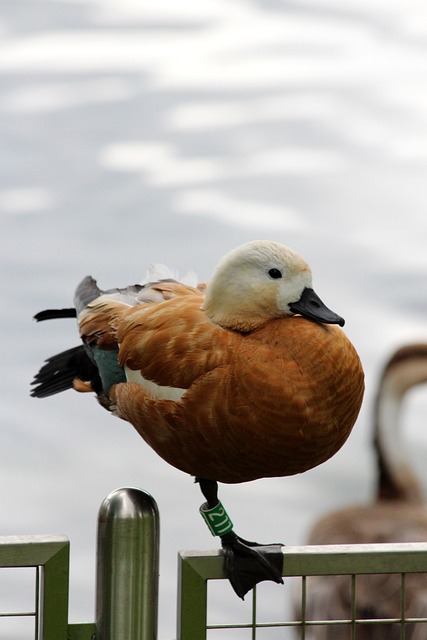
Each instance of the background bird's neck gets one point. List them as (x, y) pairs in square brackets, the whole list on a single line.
[(396, 480)]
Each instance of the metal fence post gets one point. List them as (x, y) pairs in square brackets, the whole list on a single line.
[(127, 566)]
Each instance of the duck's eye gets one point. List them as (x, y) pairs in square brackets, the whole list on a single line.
[(275, 273)]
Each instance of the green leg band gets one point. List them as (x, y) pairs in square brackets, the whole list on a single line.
[(217, 519)]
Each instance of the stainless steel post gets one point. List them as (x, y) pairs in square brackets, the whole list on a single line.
[(127, 566)]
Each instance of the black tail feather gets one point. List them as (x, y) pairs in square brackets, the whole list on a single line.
[(50, 314), (60, 371)]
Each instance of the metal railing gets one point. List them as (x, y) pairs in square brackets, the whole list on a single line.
[(49, 556), (127, 583), (127, 574), (196, 569)]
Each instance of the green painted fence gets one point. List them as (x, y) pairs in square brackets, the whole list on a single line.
[(127, 582), (196, 569)]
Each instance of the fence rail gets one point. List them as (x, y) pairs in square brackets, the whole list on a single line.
[(127, 582), (49, 556), (127, 574), (196, 569)]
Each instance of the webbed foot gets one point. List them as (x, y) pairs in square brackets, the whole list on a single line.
[(248, 563)]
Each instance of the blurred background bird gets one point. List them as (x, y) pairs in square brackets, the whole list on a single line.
[(397, 513)]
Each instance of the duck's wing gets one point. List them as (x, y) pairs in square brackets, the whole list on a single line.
[(102, 315), (173, 343), (88, 293), (93, 365), (174, 346), (99, 312)]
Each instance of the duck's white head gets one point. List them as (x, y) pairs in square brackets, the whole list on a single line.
[(261, 280)]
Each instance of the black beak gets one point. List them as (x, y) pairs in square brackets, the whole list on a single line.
[(310, 306)]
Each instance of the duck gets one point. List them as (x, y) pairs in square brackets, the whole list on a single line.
[(248, 376), (397, 513)]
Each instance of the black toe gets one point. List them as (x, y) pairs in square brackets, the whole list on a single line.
[(248, 563)]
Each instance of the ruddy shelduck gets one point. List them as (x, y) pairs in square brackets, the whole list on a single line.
[(245, 378), (398, 513)]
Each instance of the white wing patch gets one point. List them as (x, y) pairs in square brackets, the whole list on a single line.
[(157, 391)]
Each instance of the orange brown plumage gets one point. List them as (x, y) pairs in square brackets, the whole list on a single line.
[(256, 405)]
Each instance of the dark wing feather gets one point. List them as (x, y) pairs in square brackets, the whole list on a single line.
[(59, 372)]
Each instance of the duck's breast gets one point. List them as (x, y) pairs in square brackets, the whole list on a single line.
[(286, 403), (312, 392)]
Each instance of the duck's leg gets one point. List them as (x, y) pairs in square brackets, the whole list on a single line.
[(246, 563)]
